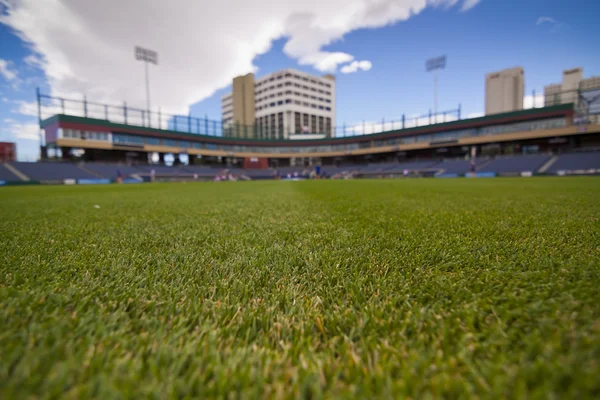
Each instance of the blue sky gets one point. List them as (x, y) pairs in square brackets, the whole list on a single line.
[(490, 36)]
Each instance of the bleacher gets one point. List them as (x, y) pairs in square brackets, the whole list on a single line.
[(51, 171), (515, 164), (574, 162), (109, 171), (458, 167), (412, 166), (7, 175), (201, 170), (568, 163), (258, 173)]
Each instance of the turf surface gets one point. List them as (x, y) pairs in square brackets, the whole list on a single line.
[(420, 288)]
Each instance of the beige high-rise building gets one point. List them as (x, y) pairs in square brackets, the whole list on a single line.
[(570, 85), (287, 104), (504, 91), (552, 95), (574, 89), (243, 99)]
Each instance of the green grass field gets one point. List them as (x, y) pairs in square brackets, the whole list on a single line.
[(386, 288)]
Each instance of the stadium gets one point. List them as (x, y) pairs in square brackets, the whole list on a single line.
[(541, 141), (274, 252)]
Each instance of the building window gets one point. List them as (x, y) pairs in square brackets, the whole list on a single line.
[(297, 123), (328, 108)]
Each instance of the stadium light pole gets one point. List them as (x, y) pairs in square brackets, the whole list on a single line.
[(146, 56), (435, 64)]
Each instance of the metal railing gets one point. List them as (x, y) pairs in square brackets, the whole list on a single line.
[(49, 106), (586, 103)]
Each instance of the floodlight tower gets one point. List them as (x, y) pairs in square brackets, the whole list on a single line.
[(147, 56), (435, 64)]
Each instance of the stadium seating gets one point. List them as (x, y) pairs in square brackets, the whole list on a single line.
[(7, 175), (50, 171), (162, 170), (109, 171), (258, 173), (412, 166), (507, 165), (453, 166), (515, 164), (201, 170), (582, 161)]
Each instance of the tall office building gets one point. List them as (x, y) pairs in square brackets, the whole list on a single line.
[(572, 85), (286, 104), (504, 91)]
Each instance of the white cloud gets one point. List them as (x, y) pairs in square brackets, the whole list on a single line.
[(325, 61), (25, 108), (354, 66), (87, 45), (551, 23), (35, 61), (542, 20), (475, 115), (9, 120), (468, 4), (24, 131), (530, 102), (6, 72)]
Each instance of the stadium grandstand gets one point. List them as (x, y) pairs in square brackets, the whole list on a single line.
[(98, 143)]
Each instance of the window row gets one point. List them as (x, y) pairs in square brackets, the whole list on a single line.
[(86, 135), (289, 92), (279, 77), (290, 84), (272, 127), (290, 101)]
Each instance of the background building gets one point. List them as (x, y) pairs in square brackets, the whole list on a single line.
[(583, 93), (286, 104), (8, 152), (504, 91), (567, 91)]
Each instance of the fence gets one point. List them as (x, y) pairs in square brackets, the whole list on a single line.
[(586, 102), (127, 115)]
